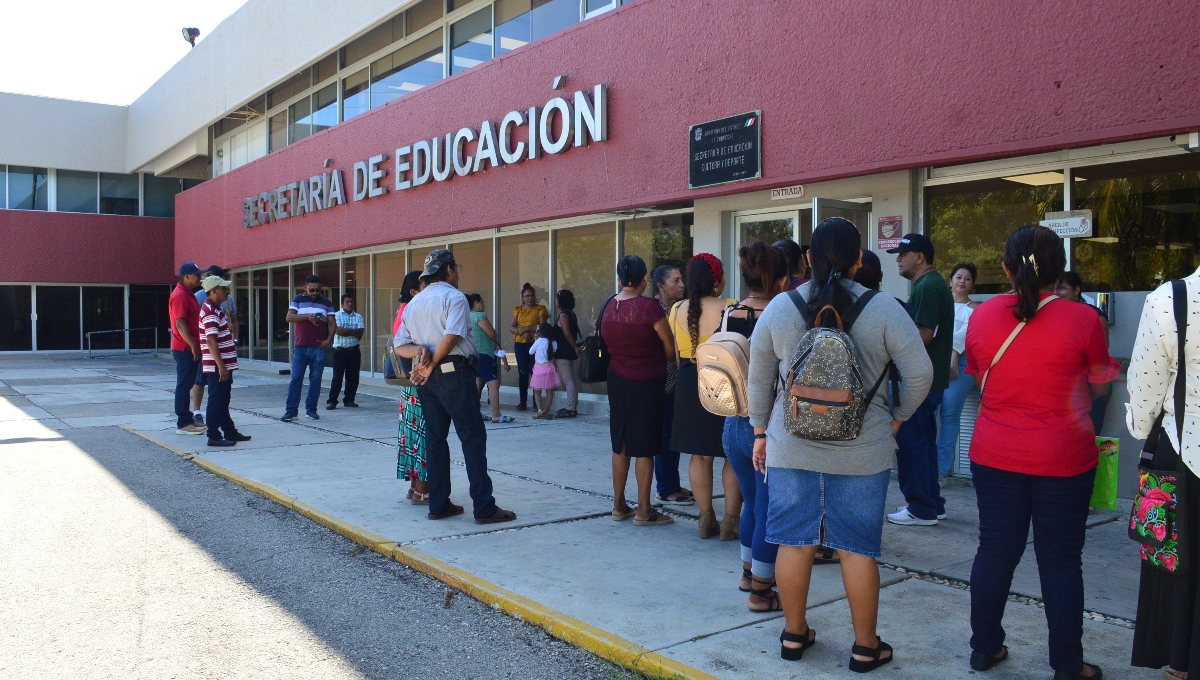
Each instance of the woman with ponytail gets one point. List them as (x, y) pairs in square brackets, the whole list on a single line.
[(695, 431), (832, 492), (1038, 360)]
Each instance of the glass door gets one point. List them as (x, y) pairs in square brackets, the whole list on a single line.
[(857, 212), (768, 227)]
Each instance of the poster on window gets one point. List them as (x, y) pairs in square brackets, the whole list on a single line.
[(891, 230)]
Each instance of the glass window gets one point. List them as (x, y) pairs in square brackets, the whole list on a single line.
[(289, 88), (299, 273), (148, 309), (262, 315), (16, 318), (358, 284), (3, 186), (77, 191), (390, 269), (58, 317), (423, 14), (471, 41), (408, 69), (281, 297), (118, 194), (598, 5), (241, 299), (476, 275), (970, 221), (549, 16), (299, 120), (659, 241), (255, 141), (330, 280), (1147, 222), (160, 195), (512, 25), (103, 310), (524, 259), (277, 135), (585, 264), (326, 68), (356, 94), (27, 188), (373, 40), (324, 108)]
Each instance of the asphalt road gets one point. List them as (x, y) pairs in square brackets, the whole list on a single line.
[(120, 559)]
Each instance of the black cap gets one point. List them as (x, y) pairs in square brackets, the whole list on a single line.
[(915, 243), (189, 268), (436, 260)]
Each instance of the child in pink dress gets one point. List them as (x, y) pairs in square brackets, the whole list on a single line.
[(545, 375)]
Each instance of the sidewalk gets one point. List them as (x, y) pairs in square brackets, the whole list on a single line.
[(661, 588)]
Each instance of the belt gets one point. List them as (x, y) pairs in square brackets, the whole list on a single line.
[(460, 359)]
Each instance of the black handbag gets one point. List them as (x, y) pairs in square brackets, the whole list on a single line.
[(593, 365), (1158, 521)]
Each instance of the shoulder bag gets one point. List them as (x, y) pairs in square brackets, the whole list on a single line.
[(593, 364), (1157, 519), (393, 366)]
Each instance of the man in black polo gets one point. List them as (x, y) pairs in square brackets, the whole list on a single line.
[(916, 441), (436, 333)]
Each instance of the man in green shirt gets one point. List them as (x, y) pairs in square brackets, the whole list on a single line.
[(916, 455)]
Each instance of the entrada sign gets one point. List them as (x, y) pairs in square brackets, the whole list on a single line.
[(581, 120)]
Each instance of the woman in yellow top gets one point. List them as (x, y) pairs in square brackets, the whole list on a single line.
[(526, 317), (695, 431)]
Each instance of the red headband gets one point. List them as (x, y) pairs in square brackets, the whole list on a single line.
[(713, 263)]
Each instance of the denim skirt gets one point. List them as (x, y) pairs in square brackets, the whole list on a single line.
[(851, 507)]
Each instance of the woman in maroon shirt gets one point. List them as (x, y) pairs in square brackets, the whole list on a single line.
[(1033, 454), (635, 330)]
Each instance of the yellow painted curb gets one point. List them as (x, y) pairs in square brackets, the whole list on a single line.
[(567, 628)]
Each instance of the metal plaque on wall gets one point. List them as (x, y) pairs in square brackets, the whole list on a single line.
[(726, 150)]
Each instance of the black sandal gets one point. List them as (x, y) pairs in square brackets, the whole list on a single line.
[(771, 596), (827, 556), (748, 576), (875, 662), (796, 653)]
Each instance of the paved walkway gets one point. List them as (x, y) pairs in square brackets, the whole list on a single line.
[(661, 588)]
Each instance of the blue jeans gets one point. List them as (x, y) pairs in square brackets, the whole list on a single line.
[(217, 416), (185, 377), (917, 460), (453, 398), (666, 464), (951, 413), (1058, 508), (738, 440), (312, 358), (524, 368)]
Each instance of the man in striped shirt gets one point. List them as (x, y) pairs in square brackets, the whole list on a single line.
[(347, 358), (218, 361)]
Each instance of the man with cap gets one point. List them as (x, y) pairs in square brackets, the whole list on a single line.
[(436, 333), (231, 312), (916, 455), (184, 314), (311, 314), (218, 362)]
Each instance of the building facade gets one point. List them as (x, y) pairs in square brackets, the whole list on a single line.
[(542, 140)]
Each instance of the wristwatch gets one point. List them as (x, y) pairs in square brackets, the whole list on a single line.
[(761, 436)]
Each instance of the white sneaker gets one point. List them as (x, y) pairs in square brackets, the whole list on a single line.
[(904, 518), (905, 507)]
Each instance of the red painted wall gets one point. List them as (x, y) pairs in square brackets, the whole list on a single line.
[(51, 247), (846, 88)]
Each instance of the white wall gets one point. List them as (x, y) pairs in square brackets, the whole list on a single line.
[(59, 133), (254, 48)]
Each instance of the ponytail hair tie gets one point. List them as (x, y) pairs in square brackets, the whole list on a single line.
[(1032, 260)]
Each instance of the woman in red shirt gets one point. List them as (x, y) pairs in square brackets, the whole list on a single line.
[(1033, 454)]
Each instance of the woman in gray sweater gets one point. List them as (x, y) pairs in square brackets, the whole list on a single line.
[(837, 488)]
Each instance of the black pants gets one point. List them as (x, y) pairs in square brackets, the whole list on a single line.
[(217, 416), (451, 396), (524, 368), (1058, 508), (347, 361)]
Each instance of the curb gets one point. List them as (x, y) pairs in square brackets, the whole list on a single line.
[(606, 645)]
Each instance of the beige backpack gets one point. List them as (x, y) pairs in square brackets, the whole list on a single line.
[(722, 366)]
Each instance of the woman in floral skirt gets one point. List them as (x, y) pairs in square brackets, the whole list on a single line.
[(410, 440)]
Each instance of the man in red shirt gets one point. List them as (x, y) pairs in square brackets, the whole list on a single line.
[(184, 313)]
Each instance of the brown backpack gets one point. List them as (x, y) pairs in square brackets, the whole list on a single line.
[(722, 367)]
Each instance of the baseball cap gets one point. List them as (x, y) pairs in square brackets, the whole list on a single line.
[(436, 260), (188, 268), (214, 270), (211, 282), (914, 243)]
